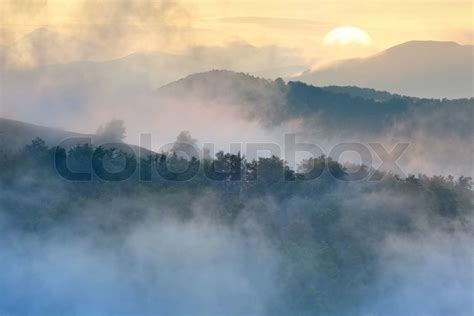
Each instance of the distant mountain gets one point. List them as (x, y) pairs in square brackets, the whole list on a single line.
[(274, 102), (47, 72), (14, 135), (419, 68), (43, 47), (433, 128)]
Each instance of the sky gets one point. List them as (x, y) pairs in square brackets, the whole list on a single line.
[(295, 24)]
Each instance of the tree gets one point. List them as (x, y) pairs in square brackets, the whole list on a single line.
[(37, 147)]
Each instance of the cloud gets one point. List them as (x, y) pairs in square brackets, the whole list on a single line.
[(91, 30), (134, 23), (274, 22)]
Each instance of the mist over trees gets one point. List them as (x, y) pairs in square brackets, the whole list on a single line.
[(226, 235), (301, 184), (436, 128), (273, 102), (95, 228)]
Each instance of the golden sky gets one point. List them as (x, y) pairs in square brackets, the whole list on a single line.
[(124, 26)]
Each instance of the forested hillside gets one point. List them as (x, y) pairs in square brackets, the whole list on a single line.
[(257, 235)]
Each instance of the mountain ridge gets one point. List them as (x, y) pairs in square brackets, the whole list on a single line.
[(426, 69), (15, 134)]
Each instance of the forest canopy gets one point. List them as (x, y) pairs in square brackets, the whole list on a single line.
[(293, 245)]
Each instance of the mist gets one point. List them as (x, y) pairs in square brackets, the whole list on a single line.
[(157, 268), (221, 108), (321, 246), (163, 158)]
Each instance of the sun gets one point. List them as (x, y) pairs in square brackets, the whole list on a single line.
[(347, 35)]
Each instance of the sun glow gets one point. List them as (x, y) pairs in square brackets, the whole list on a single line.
[(346, 35)]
